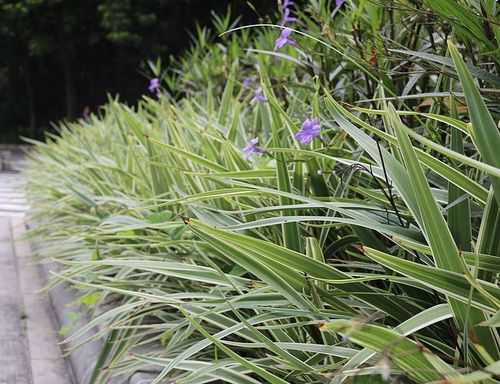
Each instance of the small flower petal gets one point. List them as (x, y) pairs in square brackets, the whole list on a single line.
[(287, 18), (284, 39), (252, 149), (258, 97), (310, 129), (247, 82), (154, 85)]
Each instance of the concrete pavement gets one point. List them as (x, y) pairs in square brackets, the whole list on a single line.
[(30, 350), (29, 344)]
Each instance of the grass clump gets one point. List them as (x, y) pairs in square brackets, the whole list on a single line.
[(365, 249)]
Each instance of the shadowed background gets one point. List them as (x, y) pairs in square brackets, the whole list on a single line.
[(62, 57)]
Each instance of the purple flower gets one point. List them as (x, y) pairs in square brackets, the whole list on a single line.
[(310, 129), (286, 17), (284, 39), (258, 97), (252, 149), (247, 82), (286, 13), (154, 85), (338, 3)]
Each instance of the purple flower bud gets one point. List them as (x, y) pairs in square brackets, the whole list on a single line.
[(286, 17), (258, 97), (252, 149), (284, 39), (338, 3), (247, 82), (310, 130), (287, 3), (154, 85)]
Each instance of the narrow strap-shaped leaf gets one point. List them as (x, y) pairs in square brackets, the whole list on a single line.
[(419, 321), (254, 266), (269, 377), (291, 231), (452, 284), (459, 215), (434, 226), (405, 353), (344, 118), (282, 257), (484, 130), (488, 240)]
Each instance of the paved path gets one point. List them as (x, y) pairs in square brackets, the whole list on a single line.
[(29, 349)]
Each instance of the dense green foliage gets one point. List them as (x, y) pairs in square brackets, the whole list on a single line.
[(373, 250)]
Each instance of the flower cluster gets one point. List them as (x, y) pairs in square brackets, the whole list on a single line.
[(281, 41), (310, 129)]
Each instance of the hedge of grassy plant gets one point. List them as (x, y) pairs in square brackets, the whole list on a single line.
[(366, 251)]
